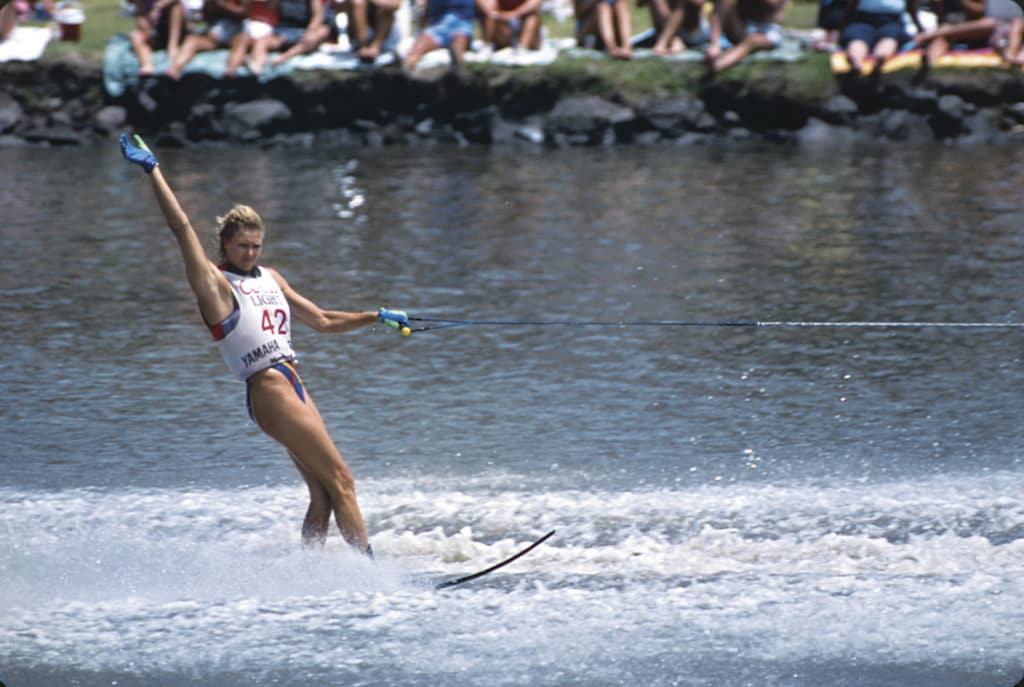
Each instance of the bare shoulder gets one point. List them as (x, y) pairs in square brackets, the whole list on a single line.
[(289, 292), (275, 274)]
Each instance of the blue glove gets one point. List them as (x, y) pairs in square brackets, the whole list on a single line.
[(138, 153), (396, 319)]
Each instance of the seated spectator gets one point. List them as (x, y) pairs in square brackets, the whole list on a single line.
[(224, 18), (255, 38), (369, 26), (659, 11), (304, 25), (605, 25), (1013, 49), (8, 20), (11, 12), (984, 24), (511, 23), (159, 25), (875, 27), (830, 20), (684, 27), (449, 24), (750, 25)]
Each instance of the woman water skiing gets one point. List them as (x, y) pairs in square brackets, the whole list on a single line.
[(248, 309)]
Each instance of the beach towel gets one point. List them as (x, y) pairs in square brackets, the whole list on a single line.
[(911, 59), (25, 44)]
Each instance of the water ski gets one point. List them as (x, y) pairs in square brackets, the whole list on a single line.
[(448, 584)]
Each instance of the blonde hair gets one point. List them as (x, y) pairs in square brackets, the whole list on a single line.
[(233, 221)]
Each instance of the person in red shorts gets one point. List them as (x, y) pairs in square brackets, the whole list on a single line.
[(510, 23)]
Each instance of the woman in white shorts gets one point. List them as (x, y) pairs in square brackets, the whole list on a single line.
[(225, 19)]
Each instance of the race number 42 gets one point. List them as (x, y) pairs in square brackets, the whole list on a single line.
[(274, 321)]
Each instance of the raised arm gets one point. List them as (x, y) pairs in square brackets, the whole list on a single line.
[(212, 291)]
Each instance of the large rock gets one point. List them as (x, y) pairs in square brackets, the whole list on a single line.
[(255, 119), (673, 117), (10, 113), (587, 120)]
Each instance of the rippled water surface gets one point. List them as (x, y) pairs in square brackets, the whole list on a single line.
[(734, 505)]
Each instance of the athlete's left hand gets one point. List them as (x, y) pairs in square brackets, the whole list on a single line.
[(396, 319), (138, 153)]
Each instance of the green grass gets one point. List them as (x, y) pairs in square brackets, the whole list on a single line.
[(102, 20)]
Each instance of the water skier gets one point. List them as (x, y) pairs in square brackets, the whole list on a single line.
[(248, 309)]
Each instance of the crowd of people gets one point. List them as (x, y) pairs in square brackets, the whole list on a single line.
[(877, 30), (260, 32), (726, 31), (250, 30)]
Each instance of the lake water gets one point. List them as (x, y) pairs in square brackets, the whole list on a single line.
[(792, 506)]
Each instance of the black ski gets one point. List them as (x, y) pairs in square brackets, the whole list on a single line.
[(448, 584)]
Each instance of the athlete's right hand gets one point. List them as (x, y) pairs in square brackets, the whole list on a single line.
[(138, 153)]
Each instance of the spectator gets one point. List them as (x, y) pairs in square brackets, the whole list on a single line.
[(255, 38), (369, 26), (1013, 51), (449, 24), (298, 18), (985, 24), (659, 11), (8, 20), (605, 25), (159, 25), (750, 25), (684, 27), (225, 23), (875, 27), (508, 23), (304, 25), (11, 12), (830, 20)]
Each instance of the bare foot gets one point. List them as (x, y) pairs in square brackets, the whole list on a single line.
[(674, 47), (369, 53)]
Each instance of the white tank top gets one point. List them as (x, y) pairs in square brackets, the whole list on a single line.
[(258, 334)]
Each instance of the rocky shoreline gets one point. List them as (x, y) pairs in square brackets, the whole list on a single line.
[(63, 102)]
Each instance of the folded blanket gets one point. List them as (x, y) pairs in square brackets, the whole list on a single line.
[(791, 50), (121, 67), (25, 44)]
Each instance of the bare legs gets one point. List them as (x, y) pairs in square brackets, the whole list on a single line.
[(736, 54), (425, 43), (857, 52), (611, 23), (194, 43), (8, 20), (298, 426)]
